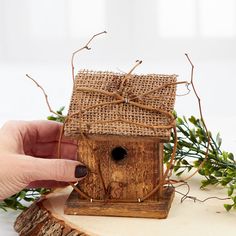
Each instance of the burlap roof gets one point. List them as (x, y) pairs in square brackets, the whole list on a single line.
[(99, 120)]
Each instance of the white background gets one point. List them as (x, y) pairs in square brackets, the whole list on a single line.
[(38, 37)]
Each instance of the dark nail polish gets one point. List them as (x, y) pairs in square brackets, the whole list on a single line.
[(80, 171)]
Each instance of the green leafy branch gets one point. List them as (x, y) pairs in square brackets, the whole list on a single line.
[(60, 117), (219, 168), (19, 201)]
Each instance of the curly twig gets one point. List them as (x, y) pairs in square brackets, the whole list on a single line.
[(46, 97), (121, 87), (195, 199), (84, 47), (202, 119)]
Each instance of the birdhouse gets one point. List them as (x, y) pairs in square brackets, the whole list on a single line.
[(121, 122)]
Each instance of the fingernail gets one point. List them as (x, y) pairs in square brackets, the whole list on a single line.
[(80, 171)]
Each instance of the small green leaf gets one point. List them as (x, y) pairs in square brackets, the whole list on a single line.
[(184, 162), (217, 173), (231, 156), (225, 180), (174, 113), (22, 194), (202, 172), (179, 121), (176, 168), (228, 207), (185, 119), (193, 120), (52, 118), (3, 206), (180, 173), (204, 183), (234, 199), (230, 190), (190, 168)]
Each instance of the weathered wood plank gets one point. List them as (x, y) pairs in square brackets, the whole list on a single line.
[(148, 209), (130, 178)]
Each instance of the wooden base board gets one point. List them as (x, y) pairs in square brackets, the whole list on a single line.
[(148, 209)]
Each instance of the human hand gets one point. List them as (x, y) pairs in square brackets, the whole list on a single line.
[(27, 157)]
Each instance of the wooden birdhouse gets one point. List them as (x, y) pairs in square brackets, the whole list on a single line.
[(121, 122)]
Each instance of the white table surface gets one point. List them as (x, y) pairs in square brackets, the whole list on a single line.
[(189, 217), (6, 223)]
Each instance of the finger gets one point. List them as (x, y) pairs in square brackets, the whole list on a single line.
[(41, 139), (22, 136), (50, 150), (44, 131), (56, 169)]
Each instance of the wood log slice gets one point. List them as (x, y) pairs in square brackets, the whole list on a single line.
[(40, 219)]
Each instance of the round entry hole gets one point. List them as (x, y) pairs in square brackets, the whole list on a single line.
[(118, 153)]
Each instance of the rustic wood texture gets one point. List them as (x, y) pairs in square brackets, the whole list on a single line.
[(37, 221), (130, 178), (150, 209)]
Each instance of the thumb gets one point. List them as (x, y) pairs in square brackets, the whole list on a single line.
[(57, 169)]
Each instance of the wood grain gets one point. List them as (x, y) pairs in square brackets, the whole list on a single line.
[(38, 221), (130, 178), (150, 209)]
